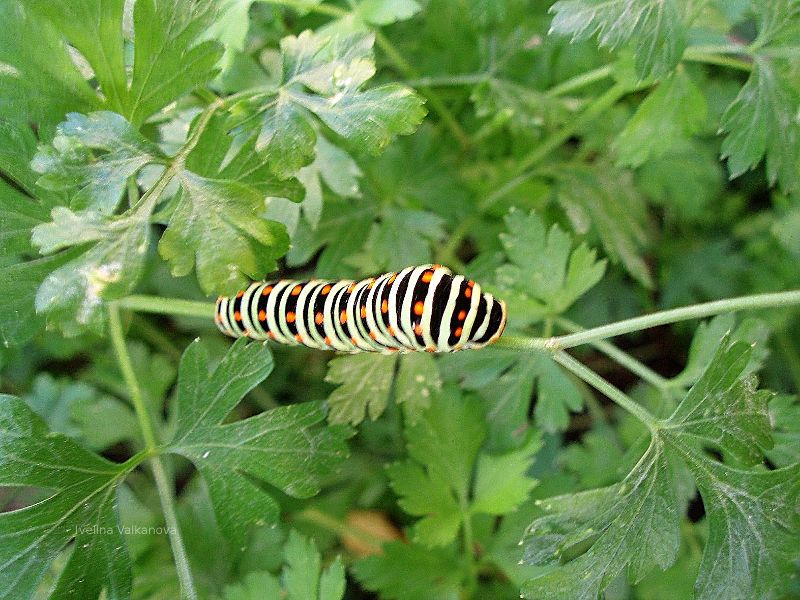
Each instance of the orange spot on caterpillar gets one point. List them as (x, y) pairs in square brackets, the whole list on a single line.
[(327, 340), (245, 332), (372, 335), (390, 330), (290, 317), (430, 349), (418, 329), (468, 293), (355, 343), (392, 278), (470, 283), (343, 317), (262, 315), (363, 312), (326, 290), (298, 337), (271, 334), (318, 318), (266, 290), (384, 306), (296, 290), (458, 332), (218, 318), (462, 314), (239, 294), (237, 315), (427, 276), (351, 288), (418, 308), (371, 283)]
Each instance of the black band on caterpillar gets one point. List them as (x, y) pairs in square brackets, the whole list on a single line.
[(423, 308)]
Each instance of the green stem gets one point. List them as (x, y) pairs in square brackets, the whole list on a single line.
[(148, 433), (582, 80), (685, 313), (622, 358), (449, 80), (168, 306), (603, 386), (469, 546), (716, 59)]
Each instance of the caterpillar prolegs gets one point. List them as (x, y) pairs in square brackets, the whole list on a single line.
[(424, 308)]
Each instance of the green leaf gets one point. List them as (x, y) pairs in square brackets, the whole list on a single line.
[(556, 395), (80, 505), (170, 58), (706, 341), (411, 572), (724, 410), (323, 76), (603, 199), (784, 414), (215, 228), (302, 577), (674, 111), (97, 180), (753, 524), (417, 384), (215, 225), (287, 447), (94, 28), (19, 209), (753, 516), (254, 586), (386, 12), (761, 121), (74, 293), (74, 408), (544, 270), (633, 524), (39, 82), (654, 30), (402, 237), (365, 381), (501, 481), (331, 165)]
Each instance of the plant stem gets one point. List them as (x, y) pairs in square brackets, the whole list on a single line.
[(685, 313), (168, 306), (582, 80), (622, 358), (469, 546), (148, 433), (601, 385)]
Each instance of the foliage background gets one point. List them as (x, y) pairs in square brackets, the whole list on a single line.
[(587, 161)]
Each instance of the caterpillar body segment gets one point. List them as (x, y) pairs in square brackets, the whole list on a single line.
[(424, 308)]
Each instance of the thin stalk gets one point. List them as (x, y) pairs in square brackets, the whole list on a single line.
[(716, 59), (582, 80), (685, 313), (339, 527), (603, 386), (449, 80), (469, 546), (163, 484), (168, 306), (622, 358)]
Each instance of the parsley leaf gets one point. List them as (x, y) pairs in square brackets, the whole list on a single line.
[(635, 523), (671, 113), (323, 76), (40, 83), (81, 506), (287, 447), (365, 382), (655, 30), (603, 199), (545, 276), (447, 480), (97, 179), (411, 572)]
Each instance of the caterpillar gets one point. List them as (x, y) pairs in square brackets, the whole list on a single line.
[(424, 308)]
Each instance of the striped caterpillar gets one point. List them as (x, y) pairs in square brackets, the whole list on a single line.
[(423, 308)]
